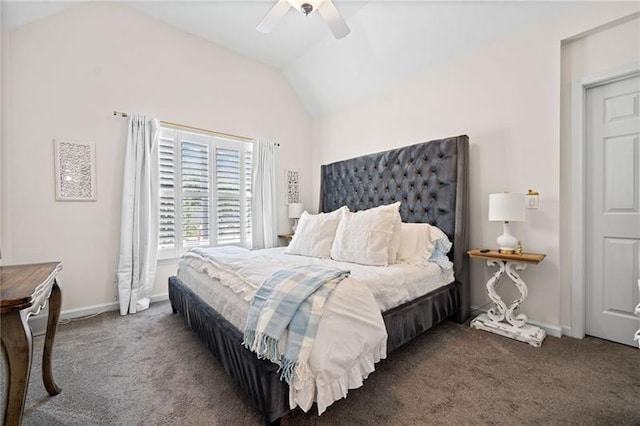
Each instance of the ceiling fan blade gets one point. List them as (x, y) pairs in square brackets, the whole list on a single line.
[(332, 17), (272, 18)]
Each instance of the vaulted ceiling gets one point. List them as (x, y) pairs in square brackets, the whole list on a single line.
[(389, 40)]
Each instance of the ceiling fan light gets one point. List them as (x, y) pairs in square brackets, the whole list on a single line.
[(306, 8), (301, 5), (325, 8)]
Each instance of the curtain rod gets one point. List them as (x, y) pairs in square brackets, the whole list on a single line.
[(184, 126)]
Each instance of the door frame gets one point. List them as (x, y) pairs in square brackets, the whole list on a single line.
[(578, 188)]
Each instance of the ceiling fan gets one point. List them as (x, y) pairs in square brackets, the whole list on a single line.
[(326, 9)]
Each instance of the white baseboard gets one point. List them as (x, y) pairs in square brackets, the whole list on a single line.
[(568, 331), (552, 330), (38, 322)]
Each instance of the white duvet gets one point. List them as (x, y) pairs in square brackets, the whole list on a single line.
[(351, 336)]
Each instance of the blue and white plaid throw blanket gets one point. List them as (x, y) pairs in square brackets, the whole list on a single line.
[(291, 299)]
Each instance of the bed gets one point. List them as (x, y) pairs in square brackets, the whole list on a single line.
[(430, 181)]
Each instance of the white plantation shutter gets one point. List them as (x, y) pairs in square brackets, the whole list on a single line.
[(167, 219), (232, 188), (248, 164), (205, 192), (228, 192), (195, 193)]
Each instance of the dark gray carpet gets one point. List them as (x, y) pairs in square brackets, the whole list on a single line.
[(150, 369)]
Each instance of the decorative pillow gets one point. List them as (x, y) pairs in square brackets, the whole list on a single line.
[(421, 243), (415, 241), (364, 237), (315, 233), (441, 247)]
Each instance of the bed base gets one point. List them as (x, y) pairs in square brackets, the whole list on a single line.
[(259, 378)]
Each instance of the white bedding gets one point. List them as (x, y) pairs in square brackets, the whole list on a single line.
[(339, 361), (391, 285)]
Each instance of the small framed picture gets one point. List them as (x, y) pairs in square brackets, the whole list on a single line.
[(292, 185), (75, 167)]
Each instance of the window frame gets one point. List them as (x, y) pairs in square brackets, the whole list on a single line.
[(213, 142)]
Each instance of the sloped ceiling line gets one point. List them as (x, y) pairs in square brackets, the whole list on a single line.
[(389, 40)]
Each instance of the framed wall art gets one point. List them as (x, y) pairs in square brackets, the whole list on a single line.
[(75, 171), (292, 184)]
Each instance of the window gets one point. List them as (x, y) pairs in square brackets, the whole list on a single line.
[(205, 192)]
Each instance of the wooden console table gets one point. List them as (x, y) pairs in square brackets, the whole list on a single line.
[(24, 290)]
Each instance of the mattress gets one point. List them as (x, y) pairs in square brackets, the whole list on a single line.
[(220, 297), (391, 285)]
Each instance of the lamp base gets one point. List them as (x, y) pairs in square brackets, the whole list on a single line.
[(507, 243)]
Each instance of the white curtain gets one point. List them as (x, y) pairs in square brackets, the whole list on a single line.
[(139, 222), (263, 203)]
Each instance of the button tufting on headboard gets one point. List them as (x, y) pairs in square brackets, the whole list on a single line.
[(421, 172), (430, 179)]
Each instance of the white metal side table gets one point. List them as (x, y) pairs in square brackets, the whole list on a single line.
[(502, 319)]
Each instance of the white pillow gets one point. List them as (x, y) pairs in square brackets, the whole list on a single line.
[(417, 244), (415, 239), (315, 233), (364, 237)]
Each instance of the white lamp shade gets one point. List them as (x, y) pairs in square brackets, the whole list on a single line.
[(296, 209), (506, 207)]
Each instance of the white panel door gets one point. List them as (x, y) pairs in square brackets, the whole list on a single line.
[(613, 209)]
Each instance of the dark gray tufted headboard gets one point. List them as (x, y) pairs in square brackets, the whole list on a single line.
[(430, 179)]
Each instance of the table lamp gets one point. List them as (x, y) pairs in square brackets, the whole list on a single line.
[(295, 211), (506, 207)]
